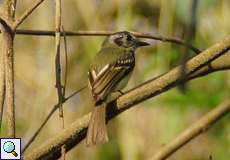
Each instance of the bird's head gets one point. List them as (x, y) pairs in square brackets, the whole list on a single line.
[(123, 39)]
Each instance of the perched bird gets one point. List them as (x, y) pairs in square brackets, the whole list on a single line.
[(109, 73)]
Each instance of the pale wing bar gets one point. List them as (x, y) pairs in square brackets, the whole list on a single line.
[(109, 76)]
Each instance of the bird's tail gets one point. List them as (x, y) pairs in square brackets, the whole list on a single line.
[(97, 132)]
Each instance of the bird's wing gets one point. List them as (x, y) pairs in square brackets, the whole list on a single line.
[(103, 82)]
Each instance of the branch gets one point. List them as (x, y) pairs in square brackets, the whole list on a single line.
[(58, 67), (107, 33), (77, 131), (66, 61), (190, 33), (167, 39), (26, 14), (220, 64), (5, 23), (57, 58), (7, 38), (14, 3), (9, 81), (55, 107), (193, 131), (9, 7)]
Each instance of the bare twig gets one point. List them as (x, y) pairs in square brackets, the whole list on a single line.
[(168, 39), (14, 4), (193, 131), (76, 92), (77, 131), (193, 19), (107, 33), (58, 66), (10, 8), (26, 14), (189, 36), (55, 107), (66, 61), (57, 58)]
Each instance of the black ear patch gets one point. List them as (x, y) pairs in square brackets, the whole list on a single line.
[(119, 41), (129, 38)]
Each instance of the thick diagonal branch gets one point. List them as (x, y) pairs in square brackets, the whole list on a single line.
[(77, 131)]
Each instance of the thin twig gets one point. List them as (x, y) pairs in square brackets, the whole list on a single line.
[(66, 61), (14, 8), (76, 92), (77, 131), (107, 33), (189, 36), (63, 149), (10, 8), (58, 67), (26, 13), (55, 107), (57, 52), (168, 39), (193, 131)]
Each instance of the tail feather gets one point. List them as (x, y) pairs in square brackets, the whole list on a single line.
[(97, 132)]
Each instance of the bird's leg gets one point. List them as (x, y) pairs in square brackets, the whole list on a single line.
[(121, 93)]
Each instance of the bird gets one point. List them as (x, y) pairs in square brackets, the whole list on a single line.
[(108, 73)]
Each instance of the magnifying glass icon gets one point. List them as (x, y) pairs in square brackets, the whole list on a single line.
[(9, 147)]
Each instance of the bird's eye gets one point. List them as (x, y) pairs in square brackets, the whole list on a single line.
[(118, 41)]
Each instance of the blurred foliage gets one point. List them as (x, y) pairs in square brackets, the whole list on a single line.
[(139, 132)]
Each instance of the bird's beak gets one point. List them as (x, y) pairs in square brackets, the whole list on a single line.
[(141, 43)]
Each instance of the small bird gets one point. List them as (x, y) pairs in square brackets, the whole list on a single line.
[(109, 73)]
